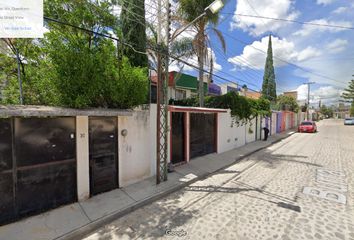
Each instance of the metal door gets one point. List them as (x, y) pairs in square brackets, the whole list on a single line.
[(202, 134), (45, 155), (37, 165), (177, 131), (103, 154), (7, 199)]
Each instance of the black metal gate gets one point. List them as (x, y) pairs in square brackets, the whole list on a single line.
[(103, 154), (202, 134), (178, 128), (42, 165), (7, 202)]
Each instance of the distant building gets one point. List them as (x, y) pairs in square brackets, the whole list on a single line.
[(249, 94), (341, 111), (229, 87), (180, 86), (214, 90), (292, 94)]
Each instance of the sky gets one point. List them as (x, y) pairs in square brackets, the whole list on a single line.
[(302, 53)]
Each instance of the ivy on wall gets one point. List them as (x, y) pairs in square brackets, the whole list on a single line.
[(243, 109)]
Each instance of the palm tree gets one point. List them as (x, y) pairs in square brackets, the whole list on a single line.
[(190, 10), (180, 48)]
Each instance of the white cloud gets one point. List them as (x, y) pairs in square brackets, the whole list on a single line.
[(340, 10), (301, 92), (324, 2), (267, 8), (307, 53), (337, 46), (307, 30), (325, 93), (254, 56)]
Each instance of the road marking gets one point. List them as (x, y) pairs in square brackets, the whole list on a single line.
[(331, 185)]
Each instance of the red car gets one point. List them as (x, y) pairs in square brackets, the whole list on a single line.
[(307, 126)]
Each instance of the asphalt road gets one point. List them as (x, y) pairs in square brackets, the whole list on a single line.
[(299, 188)]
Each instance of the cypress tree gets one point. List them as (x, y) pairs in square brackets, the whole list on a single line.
[(269, 86), (134, 31)]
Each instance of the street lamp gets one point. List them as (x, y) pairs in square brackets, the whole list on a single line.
[(215, 6)]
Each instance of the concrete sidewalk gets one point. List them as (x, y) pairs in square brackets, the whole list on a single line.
[(77, 219)]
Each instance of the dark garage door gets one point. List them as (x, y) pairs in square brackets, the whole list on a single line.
[(178, 137), (202, 134), (7, 212), (43, 165), (103, 154)]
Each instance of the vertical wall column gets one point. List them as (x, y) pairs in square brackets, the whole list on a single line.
[(82, 156), (187, 135)]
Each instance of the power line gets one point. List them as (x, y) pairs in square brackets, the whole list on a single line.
[(132, 47), (282, 60), (293, 21)]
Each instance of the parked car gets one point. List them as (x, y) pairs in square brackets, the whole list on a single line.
[(349, 121), (307, 126)]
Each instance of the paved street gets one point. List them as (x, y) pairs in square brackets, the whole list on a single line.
[(282, 192)]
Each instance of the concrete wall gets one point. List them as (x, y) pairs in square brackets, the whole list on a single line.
[(251, 135), (137, 150), (82, 158), (274, 124), (230, 135)]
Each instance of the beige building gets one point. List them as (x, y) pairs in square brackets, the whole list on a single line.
[(292, 94)]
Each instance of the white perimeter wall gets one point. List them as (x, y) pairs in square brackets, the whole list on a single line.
[(230, 137), (274, 124), (137, 151)]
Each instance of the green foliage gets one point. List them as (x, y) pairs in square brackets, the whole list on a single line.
[(351, 111), (134, 31), (74, 68), (191, 9), (303, 108), (188, 11), (242, 109), (287, 103), (36, 74), (269, 85), (326, 111), (348, 94)]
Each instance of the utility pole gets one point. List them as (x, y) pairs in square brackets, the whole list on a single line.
[(308, 99), (162, 90), (19, 75)]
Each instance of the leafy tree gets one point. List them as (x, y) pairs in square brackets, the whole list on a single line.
[(326, 111), (348, 94), (287, 103), (351, 111), (243, 109), (269, 85), (87, 65), (75, 68), (182, 47), (190, 10), (36, 74), (134, 31)]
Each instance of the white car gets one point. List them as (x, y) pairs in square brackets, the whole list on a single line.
[(349, 121)]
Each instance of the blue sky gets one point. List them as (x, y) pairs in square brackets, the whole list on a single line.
[(321, 54)]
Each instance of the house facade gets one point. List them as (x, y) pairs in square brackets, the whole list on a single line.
[(180, 86)]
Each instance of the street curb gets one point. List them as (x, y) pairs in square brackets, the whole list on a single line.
[(83, 231)]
